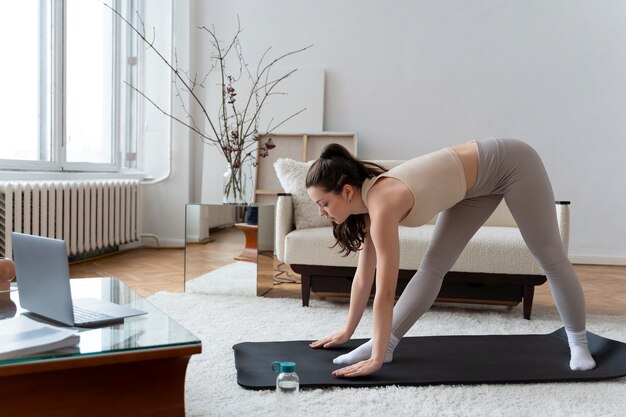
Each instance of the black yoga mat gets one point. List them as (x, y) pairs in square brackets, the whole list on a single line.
[(437, 360)]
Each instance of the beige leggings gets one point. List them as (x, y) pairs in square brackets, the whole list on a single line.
[(509, 169)]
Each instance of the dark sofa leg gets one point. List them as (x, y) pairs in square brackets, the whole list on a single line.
[(305, 279), (529, 293)]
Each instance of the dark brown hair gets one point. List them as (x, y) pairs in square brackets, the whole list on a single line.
[(335, 168)]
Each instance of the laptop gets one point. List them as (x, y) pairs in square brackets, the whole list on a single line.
[(43, 282)]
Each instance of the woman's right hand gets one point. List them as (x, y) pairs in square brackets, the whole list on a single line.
[(335, 339)]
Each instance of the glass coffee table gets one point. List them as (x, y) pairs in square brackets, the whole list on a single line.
[(136, 368)]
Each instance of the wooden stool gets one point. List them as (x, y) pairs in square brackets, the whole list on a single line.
[(249, 253)]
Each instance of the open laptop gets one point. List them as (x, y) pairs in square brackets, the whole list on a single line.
[(43, 282)]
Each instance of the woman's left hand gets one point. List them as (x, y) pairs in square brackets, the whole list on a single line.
[(362, 368)]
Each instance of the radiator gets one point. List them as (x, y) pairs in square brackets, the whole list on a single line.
[(88, 215)]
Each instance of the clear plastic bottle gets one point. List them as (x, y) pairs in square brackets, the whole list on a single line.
[(287, 381)]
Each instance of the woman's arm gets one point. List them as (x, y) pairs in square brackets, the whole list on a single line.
[(384, 232), (385, 237), (362, 282), (359, 293), (388, 204)]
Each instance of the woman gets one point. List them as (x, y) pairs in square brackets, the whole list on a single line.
[(464, 183)]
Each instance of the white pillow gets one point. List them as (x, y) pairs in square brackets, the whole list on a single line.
[(292, 177)]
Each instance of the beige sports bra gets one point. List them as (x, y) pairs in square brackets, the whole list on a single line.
[(437, 181)]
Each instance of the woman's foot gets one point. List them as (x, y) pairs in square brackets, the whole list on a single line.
[(581, 359), (364, 352)]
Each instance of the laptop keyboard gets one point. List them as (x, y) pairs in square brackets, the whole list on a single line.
[(83, 315)]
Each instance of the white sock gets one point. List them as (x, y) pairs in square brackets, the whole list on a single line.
[(364, 352), (581, 359)]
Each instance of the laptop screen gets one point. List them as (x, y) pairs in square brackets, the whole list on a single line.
[(42, 273)]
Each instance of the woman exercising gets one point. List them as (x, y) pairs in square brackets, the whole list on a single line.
[(464, 183)]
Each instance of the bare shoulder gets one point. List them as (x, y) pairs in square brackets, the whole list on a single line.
[(389, 200)]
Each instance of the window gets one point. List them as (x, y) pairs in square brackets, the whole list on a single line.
[(64, 104), (25, 73)]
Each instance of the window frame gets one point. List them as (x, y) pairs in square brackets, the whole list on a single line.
[(52, 105)]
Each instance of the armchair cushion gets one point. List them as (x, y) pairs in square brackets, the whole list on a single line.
[(495, 250), (292, 177)]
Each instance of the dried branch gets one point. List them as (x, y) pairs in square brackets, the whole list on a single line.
[(283, 122), (235, 126), (203, 136), (166, 62)]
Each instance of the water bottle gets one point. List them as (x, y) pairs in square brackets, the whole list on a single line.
[(287, 381)]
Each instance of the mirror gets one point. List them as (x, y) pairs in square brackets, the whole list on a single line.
[(229, 249)]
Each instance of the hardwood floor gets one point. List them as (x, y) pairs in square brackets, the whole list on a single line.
[(147, 271), (604, 287), (151, 270)]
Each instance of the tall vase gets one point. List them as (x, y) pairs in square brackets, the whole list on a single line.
[(236, 184)]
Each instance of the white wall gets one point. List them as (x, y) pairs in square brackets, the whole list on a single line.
[(413, 76), (163, 202)]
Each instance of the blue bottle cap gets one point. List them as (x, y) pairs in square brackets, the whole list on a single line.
[(283, 366)]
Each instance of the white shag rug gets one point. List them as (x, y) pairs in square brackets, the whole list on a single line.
[(238, 278), (222, 321)]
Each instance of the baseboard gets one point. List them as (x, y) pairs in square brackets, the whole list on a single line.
[(598, 260), (153, 242), (194, 238), (132, 245), (172, 243)]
